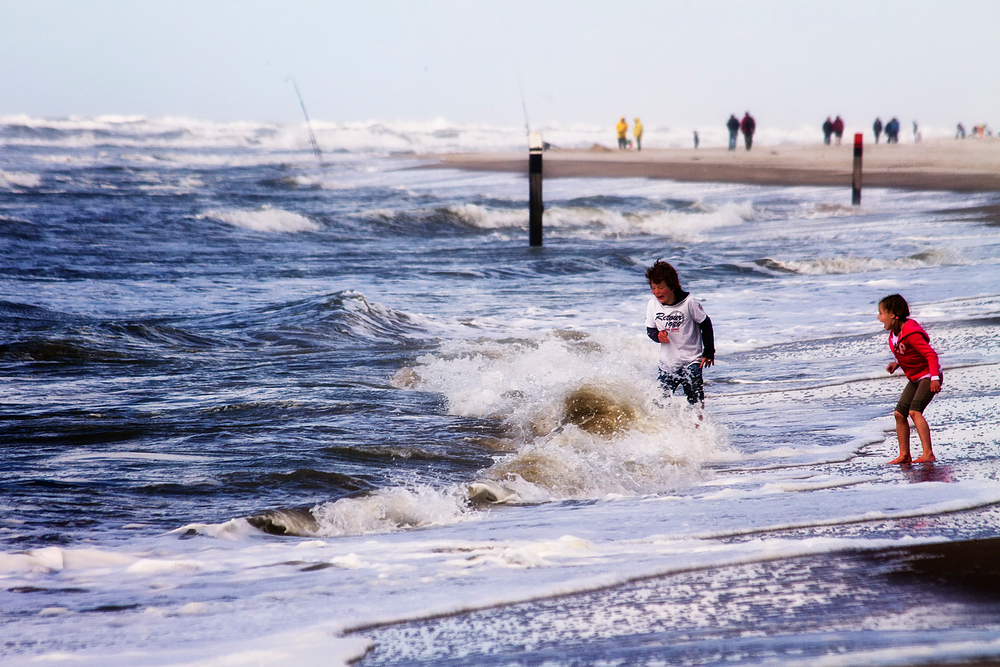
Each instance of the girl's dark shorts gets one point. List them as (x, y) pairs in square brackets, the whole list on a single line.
[(915, 396)]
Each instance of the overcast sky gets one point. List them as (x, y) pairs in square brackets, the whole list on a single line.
[(586, 61)]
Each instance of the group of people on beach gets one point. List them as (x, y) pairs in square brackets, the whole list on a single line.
[(622, 129), (833, 128), (891, 130), (748, 126), (979, 131), (684, 332)]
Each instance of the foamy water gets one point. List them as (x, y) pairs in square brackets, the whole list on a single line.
[(259, 410)]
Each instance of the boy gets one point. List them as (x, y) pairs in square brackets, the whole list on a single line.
[(684, 331)]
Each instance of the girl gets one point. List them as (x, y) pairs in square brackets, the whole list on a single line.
[(911, 347)]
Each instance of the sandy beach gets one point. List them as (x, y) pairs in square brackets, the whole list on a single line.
[(972, 165)]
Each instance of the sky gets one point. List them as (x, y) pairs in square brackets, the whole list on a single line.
[(790, 63)]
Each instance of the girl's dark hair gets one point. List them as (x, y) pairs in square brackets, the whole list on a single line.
[(895, 304), (661, 272)]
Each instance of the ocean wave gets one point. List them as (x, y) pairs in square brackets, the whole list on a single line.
[(19, 179), (389, 510), (263, 219), (580, 425), (687, 224), (848, 264), (65, 351), (341, 314)]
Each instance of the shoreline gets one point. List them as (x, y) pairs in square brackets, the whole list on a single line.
[(970, 165)]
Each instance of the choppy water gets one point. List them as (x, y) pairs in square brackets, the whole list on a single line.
[(245, 399)]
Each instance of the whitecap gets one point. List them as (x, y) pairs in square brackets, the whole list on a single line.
[(264, 219)]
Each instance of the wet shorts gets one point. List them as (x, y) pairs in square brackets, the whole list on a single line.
[(689, 378), (915, 396)]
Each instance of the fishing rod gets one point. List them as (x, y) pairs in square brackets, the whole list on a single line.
[(524, 105), (312, 137), (524, 109)]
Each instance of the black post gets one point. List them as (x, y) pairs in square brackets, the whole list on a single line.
[(535, 205), (856, 181)]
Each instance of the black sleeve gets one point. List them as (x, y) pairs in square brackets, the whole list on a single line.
[(653, 333), (707, 338)]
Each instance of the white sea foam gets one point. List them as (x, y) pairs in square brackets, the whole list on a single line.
[(581, 415), (264, 219), (390, 509), (835, 265), (685, 225), (484, 218), (19, 179)]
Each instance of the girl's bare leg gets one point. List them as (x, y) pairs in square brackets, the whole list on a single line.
[(924, 431), (903, 435)]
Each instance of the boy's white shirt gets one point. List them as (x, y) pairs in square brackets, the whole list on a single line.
[(680, 321)]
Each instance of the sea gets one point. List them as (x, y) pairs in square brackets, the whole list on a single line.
[(263, 406)]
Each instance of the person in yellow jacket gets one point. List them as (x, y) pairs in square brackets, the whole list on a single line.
[(622, 128), (637, 130)]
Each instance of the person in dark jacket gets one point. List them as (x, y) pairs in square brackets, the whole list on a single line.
[(838, 129), (827, 130), (748, 125), (892, 131), (734, 129), (877, 128)]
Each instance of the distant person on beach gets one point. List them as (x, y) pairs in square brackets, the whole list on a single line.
[(749, 126), (637, 131), (696, 138), (734, 129), (892, 131), (827, 130), (684, 331), (916, 133), (877, 128), (960, 131), (622, 129), (910, 345), (838, 129)]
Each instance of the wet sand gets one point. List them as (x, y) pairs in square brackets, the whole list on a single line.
[(972, 165), (959, 578)]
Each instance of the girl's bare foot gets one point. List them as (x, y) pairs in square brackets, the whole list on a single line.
[(902, 458), (925, 458)]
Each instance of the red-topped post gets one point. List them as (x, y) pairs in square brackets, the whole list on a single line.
[(856, 181)]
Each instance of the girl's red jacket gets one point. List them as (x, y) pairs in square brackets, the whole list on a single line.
[(913, 352)]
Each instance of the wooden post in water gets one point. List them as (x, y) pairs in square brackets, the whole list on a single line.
[(535, 205), (856, 181)]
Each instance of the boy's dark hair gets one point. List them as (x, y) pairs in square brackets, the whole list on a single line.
[(895, 304), (661, 272)]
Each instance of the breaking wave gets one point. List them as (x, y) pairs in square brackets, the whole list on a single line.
[(583, 419), (687, 224), (582, 413), (848, 264), (19, 179), (264, 219)]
